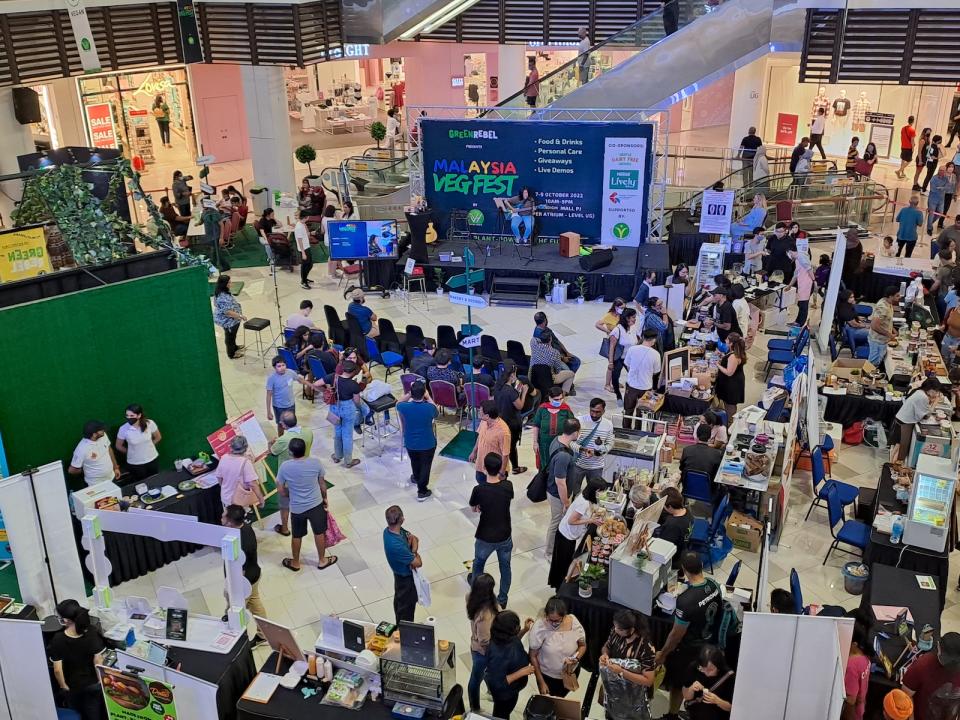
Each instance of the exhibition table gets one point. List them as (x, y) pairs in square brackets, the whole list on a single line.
[(684, 406), (882, 551), (685, 240), (231, 672), (132, 556), (848, 409), (291, 705)]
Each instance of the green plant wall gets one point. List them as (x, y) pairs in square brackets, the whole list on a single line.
[(87, 355)]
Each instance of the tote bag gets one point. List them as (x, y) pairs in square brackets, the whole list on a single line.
[(244, 496), (423, 587)]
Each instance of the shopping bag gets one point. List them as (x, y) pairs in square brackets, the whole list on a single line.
[(333, 534), (423, 587)]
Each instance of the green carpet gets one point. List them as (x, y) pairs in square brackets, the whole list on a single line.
[(461, 446), (8, 582)]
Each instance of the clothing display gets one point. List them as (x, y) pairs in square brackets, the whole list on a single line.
[(841, 106), (860, 109), (820, 101)]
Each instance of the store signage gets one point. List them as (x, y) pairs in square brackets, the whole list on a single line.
[(103, 133), (878, 118), (134, 112), (474, 301), (351, 50), (23, 254), (787, 129), (130, 696), (456, 81), (153, 86), (716, 212), (623, 193), (80, 25), (189, 33)]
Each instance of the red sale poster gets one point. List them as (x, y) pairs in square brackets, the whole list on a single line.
[(102, 131), (787, 129)]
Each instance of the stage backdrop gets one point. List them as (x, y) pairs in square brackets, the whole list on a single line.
[(87, 355), (592, 177)]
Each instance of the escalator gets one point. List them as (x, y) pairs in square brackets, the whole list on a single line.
[(377, 184), (643, 67)]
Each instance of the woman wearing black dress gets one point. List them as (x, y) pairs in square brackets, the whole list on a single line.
[(510, 395), (778, 245), (730, 378)]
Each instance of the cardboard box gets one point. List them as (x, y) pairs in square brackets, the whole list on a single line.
[(842, 368), (745, 532)]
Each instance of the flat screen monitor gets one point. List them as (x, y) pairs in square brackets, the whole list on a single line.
[(362, 239)]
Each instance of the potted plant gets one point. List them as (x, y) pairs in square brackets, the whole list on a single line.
[(378, 131), (586, 587), (438, 279), (306, 154), (581, 283), (548, 286), (593, 574)]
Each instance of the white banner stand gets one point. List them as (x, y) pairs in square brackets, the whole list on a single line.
[(166, 527), (833, 289), (24, 690), (196, 699)]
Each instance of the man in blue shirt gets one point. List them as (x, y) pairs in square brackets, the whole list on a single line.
[(417, 413), (364, 315), (280, 391), (643, 293), (908, 219), (402, 551)]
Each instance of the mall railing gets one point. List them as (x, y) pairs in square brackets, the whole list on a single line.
[(609, 53), (139, 207)]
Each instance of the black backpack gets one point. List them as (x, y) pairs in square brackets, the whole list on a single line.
[(537, 489)]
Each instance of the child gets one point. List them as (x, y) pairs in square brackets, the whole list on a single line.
[(886, 248), (821, 275)]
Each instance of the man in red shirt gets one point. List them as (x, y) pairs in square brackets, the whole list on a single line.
[(933, 681), (907, 134)]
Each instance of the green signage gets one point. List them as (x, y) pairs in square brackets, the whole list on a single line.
[(133, 697), (621, 230)]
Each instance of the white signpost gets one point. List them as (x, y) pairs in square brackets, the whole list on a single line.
[(474, 301)]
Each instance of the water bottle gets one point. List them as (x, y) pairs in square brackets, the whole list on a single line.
[(896, 532)]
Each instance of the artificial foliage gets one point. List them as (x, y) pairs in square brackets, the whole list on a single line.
[(378, 131), (306, 154)]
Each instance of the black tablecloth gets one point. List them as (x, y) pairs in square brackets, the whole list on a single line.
[(290, 705), (231, 672), (685, 240), (848, 409), (596, 613), (684, 406), (882, 551), (133, 556)]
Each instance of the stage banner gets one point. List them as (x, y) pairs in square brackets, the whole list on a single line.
[(133, 697), (467, 164), (23, 254)]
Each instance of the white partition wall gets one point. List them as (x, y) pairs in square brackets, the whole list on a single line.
[(833, 289), (24, 691)]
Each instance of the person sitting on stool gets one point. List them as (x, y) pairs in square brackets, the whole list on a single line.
[(522, 206)]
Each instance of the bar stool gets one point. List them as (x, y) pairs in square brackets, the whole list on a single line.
[(382, 427), (257, 325), (416, 282)]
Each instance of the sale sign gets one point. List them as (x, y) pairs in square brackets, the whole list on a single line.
[(787, 129), (103, 133)]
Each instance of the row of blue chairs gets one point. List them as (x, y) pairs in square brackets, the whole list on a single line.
[(836, 496), (782, 351)]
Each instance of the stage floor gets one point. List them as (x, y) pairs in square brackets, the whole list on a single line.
[(613, 281)]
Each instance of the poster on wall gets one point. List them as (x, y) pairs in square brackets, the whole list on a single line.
[(23, 254), (787, 129), (466, 165), (103, 133), (133, 697), (716, 211)]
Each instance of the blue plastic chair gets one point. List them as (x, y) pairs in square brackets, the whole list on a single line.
[(389, 359), (847, 494), (832, 342), (795, 591), (697, 486), (777, 357), (734, 574), (721, 415), (860, 352), (703, 534), (863, 310), (289, 358), (852, 532)]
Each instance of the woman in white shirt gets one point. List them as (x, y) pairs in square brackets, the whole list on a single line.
[(138, 438), (754, 251), (557, 642), (742, 308), (915, 408), (622, 338), (573, 526)]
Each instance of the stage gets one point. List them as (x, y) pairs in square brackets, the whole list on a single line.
[(615, 280)]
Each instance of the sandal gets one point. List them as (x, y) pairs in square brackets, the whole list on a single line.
[(288, 564), (331, 560), (279, 529), (335, 458), (352, 463), (519, 470)]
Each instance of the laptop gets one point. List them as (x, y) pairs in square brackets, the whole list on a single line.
[(418, 644)]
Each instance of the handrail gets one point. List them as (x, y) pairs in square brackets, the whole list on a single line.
[(594, 48)]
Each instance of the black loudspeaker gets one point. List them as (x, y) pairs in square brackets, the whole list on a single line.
[(26, 105), (654, 256), (599, 258)]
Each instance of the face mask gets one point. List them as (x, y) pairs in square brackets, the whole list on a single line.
[(556, 403), (132, 421), (619, 311), (925, 645)]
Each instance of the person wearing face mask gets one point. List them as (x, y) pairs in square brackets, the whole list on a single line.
[(93, 457), (779, 245), (628, 655), (138, 438), (609, 321), (622, 338), (547, 422), (557, 643)]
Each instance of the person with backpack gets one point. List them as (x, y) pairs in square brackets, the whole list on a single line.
[(694, 626), (557, 465), (933, 678), (547, 423)]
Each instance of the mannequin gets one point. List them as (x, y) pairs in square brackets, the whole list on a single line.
[(841, 106), (820, 101), (860, 109)]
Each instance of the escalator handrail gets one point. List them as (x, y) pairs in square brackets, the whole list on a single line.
[(593, 48), (391, 162)]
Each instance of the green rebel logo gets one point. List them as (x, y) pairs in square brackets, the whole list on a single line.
[(621, 231), (624, 179), (475, 217)]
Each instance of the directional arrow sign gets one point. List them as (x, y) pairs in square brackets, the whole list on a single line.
[(466, 329), (474, 301), (465, 279), (471, 341), (468, 257)]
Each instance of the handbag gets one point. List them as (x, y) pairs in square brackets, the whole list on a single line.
[(605, 349), (334, 534), (244, 496), (332, 416), (862, 167)]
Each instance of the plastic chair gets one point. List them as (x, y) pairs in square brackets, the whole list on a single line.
[(336, 331), (697, 486), (388, 338), (349, 271), (777, 357), (407, 380), (860, 352), (355, 336), (490, 348), (863, 310), (289, 358), (541, 378), (847, 494), (734, 574), (852, 532), (476, 394), (795, 591), (389, 359), (447, 338), (827, 446), (288, 333), (517, 353), (704, 534), (832, 342), (444, 394)]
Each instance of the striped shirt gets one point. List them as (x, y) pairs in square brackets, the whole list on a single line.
[(601, 439)]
